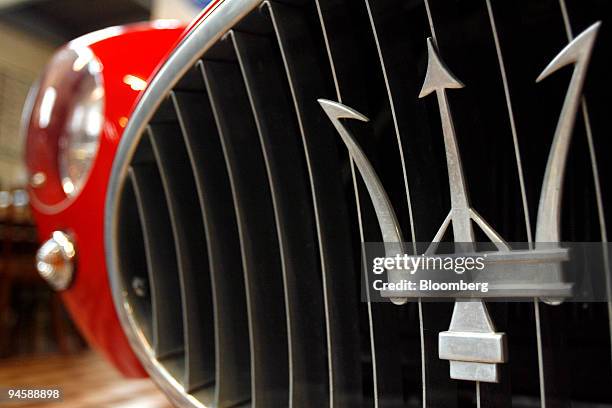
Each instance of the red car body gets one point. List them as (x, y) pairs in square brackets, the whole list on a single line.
[(134, 50)]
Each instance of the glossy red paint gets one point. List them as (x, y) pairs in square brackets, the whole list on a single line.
[(130, 50)]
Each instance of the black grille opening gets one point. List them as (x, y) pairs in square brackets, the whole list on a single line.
[(161, 260), (135, 275), (232, 356), (244, 215)]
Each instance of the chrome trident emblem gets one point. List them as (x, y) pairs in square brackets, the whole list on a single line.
[(471, 344)]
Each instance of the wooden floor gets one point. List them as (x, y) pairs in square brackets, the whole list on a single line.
[(86, 380)]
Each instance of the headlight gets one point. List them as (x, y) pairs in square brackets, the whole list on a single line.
[(69, 108), (79, 142)]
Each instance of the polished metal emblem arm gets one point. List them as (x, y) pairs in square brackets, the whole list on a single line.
[(387, 220), (577, 52)]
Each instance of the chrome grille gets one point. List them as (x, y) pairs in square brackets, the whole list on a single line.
[(235, 203)]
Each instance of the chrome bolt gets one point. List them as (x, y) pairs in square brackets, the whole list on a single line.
[(55, 260), (139, 286)]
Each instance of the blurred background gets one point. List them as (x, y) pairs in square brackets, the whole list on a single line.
[(38, 343)]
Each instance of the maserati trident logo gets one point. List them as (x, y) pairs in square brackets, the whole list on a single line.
[(471, 344)]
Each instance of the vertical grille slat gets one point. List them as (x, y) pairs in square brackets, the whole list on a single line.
[(283, 154), (257, 231), (188, 231), (523, 65), (562, 357), (395, 94), (486, 161), (595, 122), (307, 84), (232, 355), (572, 15), (399, 33), (521, 177), (161, 260), (133, 261), (361, 80), (555, 387)]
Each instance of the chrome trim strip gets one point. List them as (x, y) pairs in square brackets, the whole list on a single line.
[(517, 152), (201, 38), (538, 322), (395, 121), (519, 166), (296, 229), (424, 368), (344, 366), (357, 210)]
